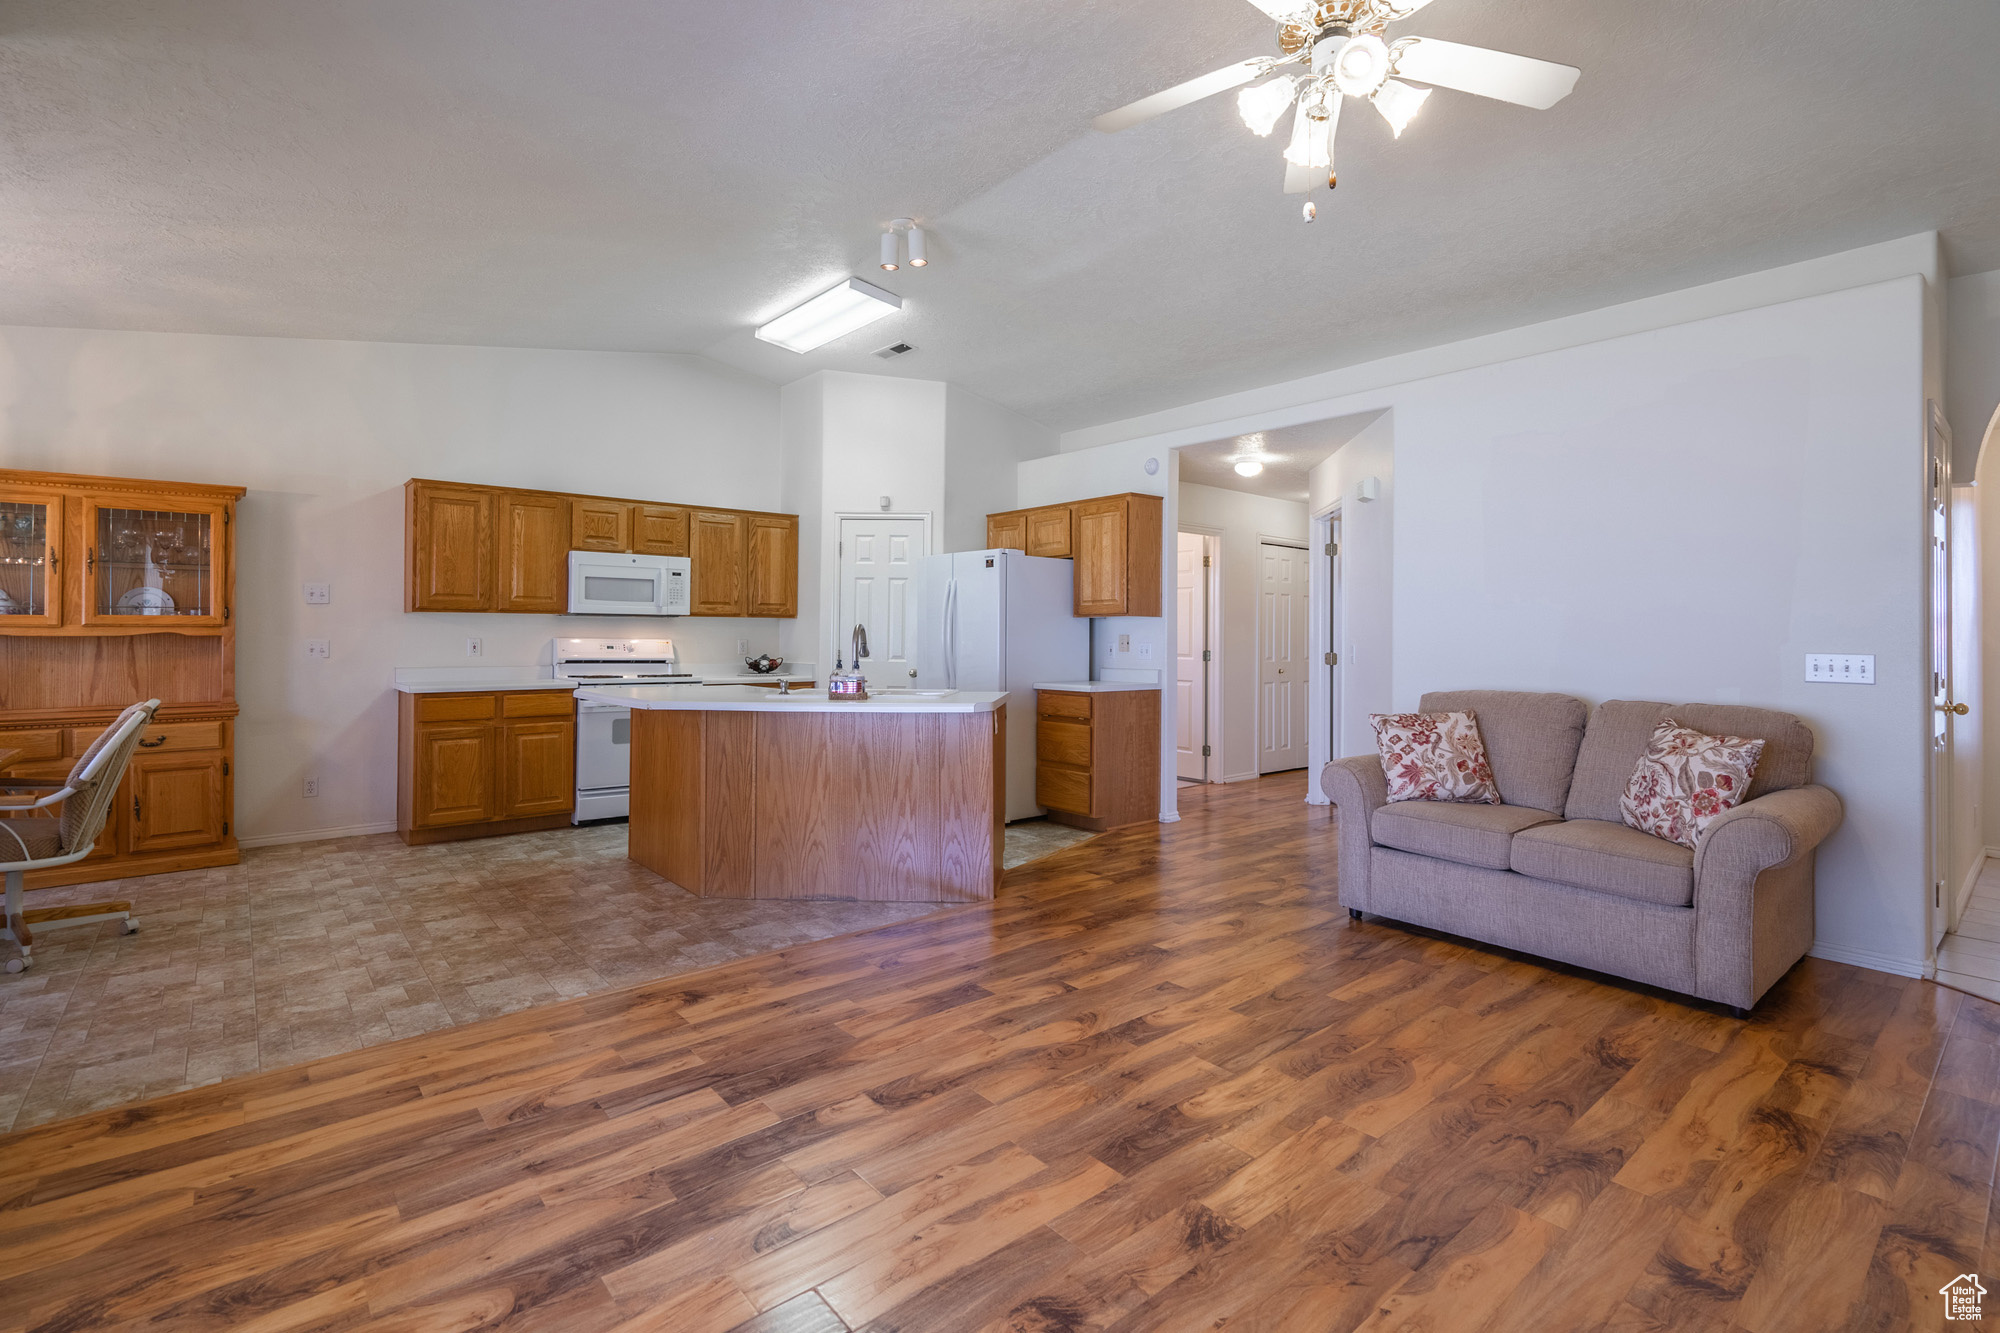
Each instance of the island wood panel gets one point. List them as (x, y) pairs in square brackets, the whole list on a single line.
[(729, 794), (666, 785), (972, 780), (893, 807)]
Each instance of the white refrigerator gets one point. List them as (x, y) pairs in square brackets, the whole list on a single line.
[(1001, 620)]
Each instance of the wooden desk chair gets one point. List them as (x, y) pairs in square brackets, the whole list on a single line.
[(41, 843)]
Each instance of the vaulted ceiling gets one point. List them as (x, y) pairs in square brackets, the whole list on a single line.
[(663, 174)]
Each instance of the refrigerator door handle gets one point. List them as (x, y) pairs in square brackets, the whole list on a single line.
[(951, 635)]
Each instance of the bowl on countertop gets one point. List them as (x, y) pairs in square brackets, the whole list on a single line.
[(763, 664)]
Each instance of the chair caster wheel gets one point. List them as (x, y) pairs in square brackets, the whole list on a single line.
[(17, 964)]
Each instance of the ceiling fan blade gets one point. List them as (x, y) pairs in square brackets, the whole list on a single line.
[(1286, 9), (1208, 85), (1496, 74)]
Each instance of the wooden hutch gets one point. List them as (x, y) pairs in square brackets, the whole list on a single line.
[(113, 591)]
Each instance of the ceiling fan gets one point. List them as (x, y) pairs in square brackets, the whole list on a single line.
[(1341, 45)]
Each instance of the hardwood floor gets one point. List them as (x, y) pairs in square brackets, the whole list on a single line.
[(1162, 1083)]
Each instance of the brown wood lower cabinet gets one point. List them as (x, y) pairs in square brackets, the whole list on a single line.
[(476, 765), (1097, 756), (172, 810)]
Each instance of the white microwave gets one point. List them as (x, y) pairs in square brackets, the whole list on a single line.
[(612, 583)]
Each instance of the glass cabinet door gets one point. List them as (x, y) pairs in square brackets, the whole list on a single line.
[(30, 537), (153, 567)]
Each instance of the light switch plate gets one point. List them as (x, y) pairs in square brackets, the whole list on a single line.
[(1840, 668), (318, 648), (318, 594)]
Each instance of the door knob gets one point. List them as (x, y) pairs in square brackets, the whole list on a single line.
[(1959, 710)]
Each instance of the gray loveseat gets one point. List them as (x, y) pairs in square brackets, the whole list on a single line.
[(1555, 871)]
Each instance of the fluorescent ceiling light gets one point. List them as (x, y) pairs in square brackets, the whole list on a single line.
[(831, 314)]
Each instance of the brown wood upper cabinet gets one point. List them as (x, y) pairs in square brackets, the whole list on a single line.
[(493, 548), (773, 581), (532, 571), (1114, 540), (600, 525), (720, 556), (1044, 531), (660, 530), (1118, 555), (451, 547)]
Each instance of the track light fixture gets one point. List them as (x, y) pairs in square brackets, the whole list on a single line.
[(891, 250)]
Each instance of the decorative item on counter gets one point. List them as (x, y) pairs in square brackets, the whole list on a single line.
[(850, 684), (763, 664)]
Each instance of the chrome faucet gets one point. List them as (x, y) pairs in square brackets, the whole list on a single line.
[(860, 645)]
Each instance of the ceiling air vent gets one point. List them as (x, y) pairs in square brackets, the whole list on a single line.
[(894, 350)]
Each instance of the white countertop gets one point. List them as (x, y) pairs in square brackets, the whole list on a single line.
[(1095, 686), (756, 699), (478, 686), (746, 677)]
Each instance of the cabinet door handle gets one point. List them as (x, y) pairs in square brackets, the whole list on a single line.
[(153, 744), (90, 560), (135, 805)]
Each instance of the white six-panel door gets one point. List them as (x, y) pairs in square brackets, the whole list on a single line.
[(1191, 666), (878, 563), (1281, 658)]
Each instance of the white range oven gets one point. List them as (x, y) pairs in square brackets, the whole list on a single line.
[(604, 731), (617, 583)]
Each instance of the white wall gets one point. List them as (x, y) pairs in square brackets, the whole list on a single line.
[(1363, 605), (1680, 513), (985, 445), (1115, 470), (802, 448), (324, 434), (1241, 521)]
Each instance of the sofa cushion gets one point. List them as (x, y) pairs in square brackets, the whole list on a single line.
[(1433, 757), (1607, 857), (1473, 835), (1685, 781), (1620, 730), (1531, 740)]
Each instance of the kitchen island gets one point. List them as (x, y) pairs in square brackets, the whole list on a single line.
[(744, 792)]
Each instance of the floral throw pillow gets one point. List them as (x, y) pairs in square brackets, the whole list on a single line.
[(1685, 779), (1434, 757)]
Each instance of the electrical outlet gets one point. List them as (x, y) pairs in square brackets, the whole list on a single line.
[(1124, 643), (1841, 668), (743, 647), (1145, 650), (311, 788), (318, 594), (475, 648), (317, 648)]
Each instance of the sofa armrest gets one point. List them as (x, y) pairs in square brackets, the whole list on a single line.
[(1357, 789), (1753, 891), (1779, 828)]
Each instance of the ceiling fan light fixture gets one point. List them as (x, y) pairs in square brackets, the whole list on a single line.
[(1399, 103), (1262, 106), (1361, 66), (832, 314)]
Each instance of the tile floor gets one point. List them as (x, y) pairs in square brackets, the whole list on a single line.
[(318, 948), (1969, 958)]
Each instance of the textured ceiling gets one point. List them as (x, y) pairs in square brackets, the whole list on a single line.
[(1289, 456), (663, 174)]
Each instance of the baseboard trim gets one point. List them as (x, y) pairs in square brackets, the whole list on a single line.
[(315, 835), (1965, 889), (1874, 962), (1239, 777)]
